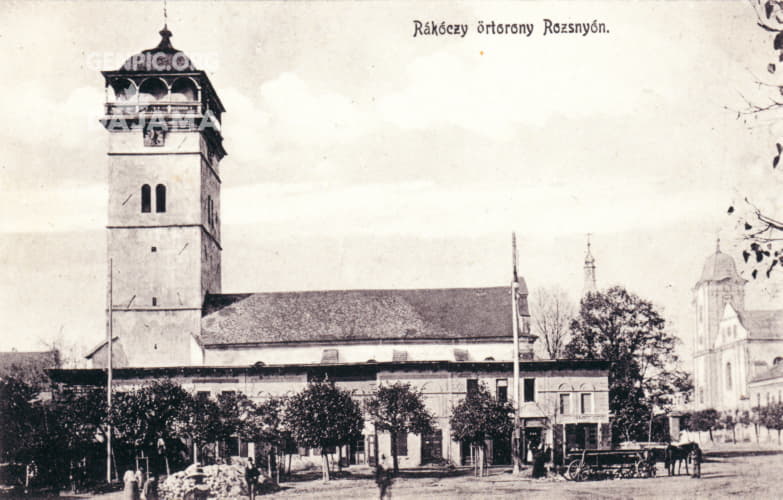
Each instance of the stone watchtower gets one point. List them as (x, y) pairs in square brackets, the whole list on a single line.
[(720, 284), (165, 145)]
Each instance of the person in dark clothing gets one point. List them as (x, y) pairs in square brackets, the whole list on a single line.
[(539, 462), (251, 476), (696, 458), (384, 479)]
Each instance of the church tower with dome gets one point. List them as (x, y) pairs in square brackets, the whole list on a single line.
[(164, 149), (719, 285)]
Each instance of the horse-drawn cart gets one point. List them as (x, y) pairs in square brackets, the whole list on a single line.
[(600, 464)]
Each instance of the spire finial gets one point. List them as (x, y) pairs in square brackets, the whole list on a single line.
[(717, 245), (165, 15)]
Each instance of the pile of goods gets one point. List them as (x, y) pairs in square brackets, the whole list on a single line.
[(224, 482)]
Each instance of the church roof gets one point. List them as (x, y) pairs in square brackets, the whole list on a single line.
[(774, 372), (718, 267), (356, 315), (763, 324), (162, 59)]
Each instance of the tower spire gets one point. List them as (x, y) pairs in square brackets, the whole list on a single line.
[(717, 245), (589, 269)]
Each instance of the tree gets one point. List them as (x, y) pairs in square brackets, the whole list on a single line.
[(324, 416), (198, 420), (398, 409), (750, 417), (664, 390), (704, 420), (626, 330), (762, 228), (479, 417), (771, 417), (728, 421), (551, 313), (143, 418), (16, 414)]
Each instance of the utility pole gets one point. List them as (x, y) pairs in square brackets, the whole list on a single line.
[(109, 377), (515, 329)]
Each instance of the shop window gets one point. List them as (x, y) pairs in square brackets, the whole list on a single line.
[(472, 386)]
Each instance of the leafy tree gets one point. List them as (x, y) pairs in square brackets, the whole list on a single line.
[(154, 413), (771, 417), (398, 409), (704, 420), (479, 417), (746, 417), (666, 389), (323, 416), (728, 421), (551, 314), (626, 330), (198, 420), (16, 415)]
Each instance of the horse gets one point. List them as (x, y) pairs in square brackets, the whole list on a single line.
[(677, 455)]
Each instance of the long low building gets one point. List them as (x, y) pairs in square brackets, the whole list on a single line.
[(565, 403)]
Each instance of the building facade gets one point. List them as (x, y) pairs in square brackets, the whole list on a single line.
[(733, 345)]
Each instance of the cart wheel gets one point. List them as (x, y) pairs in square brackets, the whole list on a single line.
[(572, 470), (583, 473)]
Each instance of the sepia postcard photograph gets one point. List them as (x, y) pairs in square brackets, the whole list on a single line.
[(375, 249)]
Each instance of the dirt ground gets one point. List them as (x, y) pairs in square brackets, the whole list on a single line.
[(727, 472)]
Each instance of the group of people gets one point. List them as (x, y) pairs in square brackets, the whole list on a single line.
[(139, 486)]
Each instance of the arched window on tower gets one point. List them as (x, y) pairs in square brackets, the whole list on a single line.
[(728, 376), (160, 198), (145, 198)]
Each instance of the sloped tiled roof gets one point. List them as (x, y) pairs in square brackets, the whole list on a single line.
[(774, 372), (356, 315), (763, 324)]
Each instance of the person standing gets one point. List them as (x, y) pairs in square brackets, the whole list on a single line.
[(696, 458), (251, 477)]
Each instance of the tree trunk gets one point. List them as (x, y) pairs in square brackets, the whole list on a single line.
[(756, 428), (339, 459), (649, 428), (710, 431), (481, 460), (734, 433), (269, 462), (324, 465), (394, 452), (195, 452)]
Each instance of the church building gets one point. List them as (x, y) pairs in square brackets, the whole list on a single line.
[(169, 318), (734, 346)]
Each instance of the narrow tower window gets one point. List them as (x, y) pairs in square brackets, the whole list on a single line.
[(728, 376), (160, 198), (145, 198)]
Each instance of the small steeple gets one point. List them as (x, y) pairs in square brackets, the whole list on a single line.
[(589, 268), (165, 39)]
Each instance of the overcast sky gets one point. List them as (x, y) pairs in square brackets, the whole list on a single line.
[(362, 157)]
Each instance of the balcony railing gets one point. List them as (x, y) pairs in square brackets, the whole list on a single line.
[(180, 108)]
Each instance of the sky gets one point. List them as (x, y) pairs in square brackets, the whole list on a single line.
[(361, 156)]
